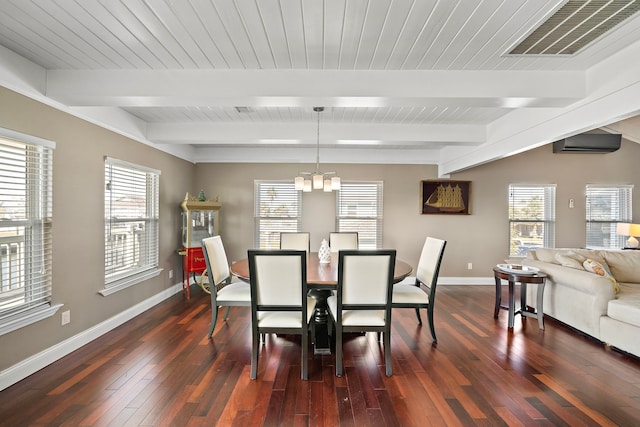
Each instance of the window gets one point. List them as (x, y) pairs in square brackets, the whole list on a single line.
[(278, 208), (131, 224), (359, 208), (606, 206), (26, 172), (532, 216)]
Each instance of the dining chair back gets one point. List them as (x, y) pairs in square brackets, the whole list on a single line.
[(362, 302), (226, 291), (295, 240), (343, 240), (419, 291), (279, 300)]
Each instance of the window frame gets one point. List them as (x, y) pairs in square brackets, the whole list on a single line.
[(117, 279), (293, 219), (548, 217), (624, 213), (32, 202), (375, 215)]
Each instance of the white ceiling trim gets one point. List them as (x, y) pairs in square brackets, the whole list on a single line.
[(609, 100)]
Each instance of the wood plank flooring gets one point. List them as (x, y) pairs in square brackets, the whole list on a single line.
[(160, 369)]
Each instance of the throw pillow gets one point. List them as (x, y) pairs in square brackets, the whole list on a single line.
[(624, 265), (601, 270), (571, 259)]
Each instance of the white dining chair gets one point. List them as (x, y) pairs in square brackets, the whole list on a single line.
[(279, 299), (343, 240), (362, 302), (419, 291), (226, 290), (295, 240)]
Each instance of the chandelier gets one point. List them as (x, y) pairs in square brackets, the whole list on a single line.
[(306, 181)]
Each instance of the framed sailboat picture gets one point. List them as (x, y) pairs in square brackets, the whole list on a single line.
[(446, 197)]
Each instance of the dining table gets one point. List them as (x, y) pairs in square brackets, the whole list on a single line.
[(322, 279)]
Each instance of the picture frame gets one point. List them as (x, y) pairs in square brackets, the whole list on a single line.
[(445, 197)]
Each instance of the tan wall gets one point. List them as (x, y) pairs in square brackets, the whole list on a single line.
[(480, 238), (78, 212)]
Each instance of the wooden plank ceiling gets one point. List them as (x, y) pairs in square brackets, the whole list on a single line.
[(410, 76)]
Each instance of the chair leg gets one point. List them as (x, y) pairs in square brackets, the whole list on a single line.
[(418, 315), (338, 351), (254, 354), (226, 313), (431, 326), (214, 318), (387, 351), (304, 365)]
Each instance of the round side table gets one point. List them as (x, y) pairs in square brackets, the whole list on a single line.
[(513, 278)]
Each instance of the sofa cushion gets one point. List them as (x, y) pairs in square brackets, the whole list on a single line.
[(547, 255), (624, 265), (626, 307), (593, 254), (570, 259), (550, 254)]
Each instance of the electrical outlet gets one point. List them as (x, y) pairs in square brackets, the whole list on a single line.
[(469, 266), (66, 317), (170, 274)]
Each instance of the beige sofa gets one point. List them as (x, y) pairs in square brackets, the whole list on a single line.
[(587, 301)]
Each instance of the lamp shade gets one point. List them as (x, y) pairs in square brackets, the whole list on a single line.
[(318, 182), (335, 183), (634, 230), (631, 230)]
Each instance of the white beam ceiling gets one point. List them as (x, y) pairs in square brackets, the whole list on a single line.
[(403, 81)]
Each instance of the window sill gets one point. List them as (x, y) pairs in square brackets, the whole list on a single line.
[(28, 317), (127, 282)]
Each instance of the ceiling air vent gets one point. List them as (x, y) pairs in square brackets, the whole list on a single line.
[(575, 25), (588, 143)]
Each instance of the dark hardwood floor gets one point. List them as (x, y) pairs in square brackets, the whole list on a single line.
[(160, 369)]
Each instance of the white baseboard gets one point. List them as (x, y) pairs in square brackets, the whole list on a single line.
[(23, 369)]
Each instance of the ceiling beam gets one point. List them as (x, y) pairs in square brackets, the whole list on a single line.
[(304, 133), (307, 88)]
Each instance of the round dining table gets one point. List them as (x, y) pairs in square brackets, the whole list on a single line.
[(321, 279)]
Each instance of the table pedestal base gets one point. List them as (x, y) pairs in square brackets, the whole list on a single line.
[(322, 342)]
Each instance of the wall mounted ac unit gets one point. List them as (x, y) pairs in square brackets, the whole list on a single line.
[(588, 143)]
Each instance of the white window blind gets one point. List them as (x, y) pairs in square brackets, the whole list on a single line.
[(131, 201), (359, 208), (26, 172), (277, 208), (532, 216), (606, 205)]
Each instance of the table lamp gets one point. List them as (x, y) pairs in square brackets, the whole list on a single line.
[(631, 230)]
